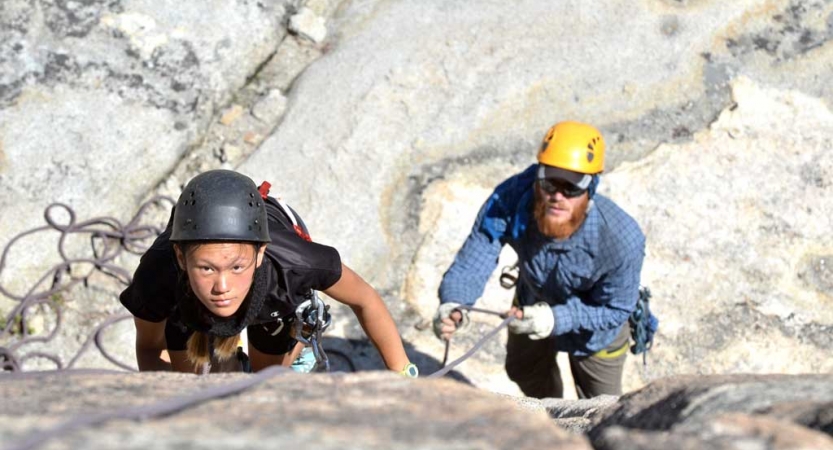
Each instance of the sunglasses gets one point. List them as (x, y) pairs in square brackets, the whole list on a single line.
[(567, 189)]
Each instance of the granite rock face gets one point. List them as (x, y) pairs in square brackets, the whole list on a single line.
[(721, 412), (89, 409), (363, 411), (387, 125)]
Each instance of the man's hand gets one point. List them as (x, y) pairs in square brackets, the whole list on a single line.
[(537, 321), (448, 320)]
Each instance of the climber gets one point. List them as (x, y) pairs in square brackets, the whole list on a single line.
[(234, 258), (579, 263)]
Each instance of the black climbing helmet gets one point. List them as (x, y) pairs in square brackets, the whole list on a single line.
[(220, 205)]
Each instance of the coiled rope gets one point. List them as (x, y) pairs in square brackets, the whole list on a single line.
[(108, 237)]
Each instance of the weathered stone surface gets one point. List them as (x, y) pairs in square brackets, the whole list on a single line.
[(733, 220), (728, 432), (688, 400), (368, 411), (270, 107), (817, 415), (578, 416), (717, 412), (308, 25), (292, 57), (383, 410)]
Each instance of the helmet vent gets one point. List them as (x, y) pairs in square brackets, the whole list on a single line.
[(229, 203), (592, 147)]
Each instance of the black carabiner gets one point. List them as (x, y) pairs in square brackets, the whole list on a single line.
[(508, 280)]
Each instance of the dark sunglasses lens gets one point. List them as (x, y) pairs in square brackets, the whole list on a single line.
[(573, 191), (568, 190), (547, 186)]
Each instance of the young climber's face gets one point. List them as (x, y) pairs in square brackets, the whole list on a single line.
[(221, 273)]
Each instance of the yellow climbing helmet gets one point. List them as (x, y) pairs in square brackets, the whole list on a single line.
[(573, 146)]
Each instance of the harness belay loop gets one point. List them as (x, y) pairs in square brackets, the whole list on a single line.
[(643, 324)]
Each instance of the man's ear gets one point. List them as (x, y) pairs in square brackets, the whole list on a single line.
[(180, 257), (260, 252)]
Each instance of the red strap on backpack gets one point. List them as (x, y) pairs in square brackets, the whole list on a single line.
[(300, 232), (264, 191)]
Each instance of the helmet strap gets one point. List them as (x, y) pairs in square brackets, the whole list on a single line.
[(594, 184)]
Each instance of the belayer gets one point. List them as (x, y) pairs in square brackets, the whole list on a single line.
[(233, 258), (579, 263)]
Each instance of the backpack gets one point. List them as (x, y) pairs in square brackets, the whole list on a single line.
[(643, 325), (312, 316), (295, 222)]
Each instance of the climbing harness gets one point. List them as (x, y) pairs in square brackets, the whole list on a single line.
[(642, 322), (612, 354)]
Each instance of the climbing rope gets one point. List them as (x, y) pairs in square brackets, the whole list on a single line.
[(108, 237), (477, 346)]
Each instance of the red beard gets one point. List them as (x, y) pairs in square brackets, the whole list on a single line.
[(557, 228)]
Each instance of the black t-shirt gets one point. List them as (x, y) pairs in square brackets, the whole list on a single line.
[(297, 266)]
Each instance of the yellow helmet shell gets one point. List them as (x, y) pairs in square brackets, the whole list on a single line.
[(573, 146)]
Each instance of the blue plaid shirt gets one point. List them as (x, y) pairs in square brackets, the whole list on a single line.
[(591, 279)]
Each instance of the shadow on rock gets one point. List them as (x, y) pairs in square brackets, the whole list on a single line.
[(359, 355)]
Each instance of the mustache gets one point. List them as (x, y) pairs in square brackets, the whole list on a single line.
[(547, 202)]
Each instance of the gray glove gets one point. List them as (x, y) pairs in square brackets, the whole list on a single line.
[(538, 322), (444, 312)]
